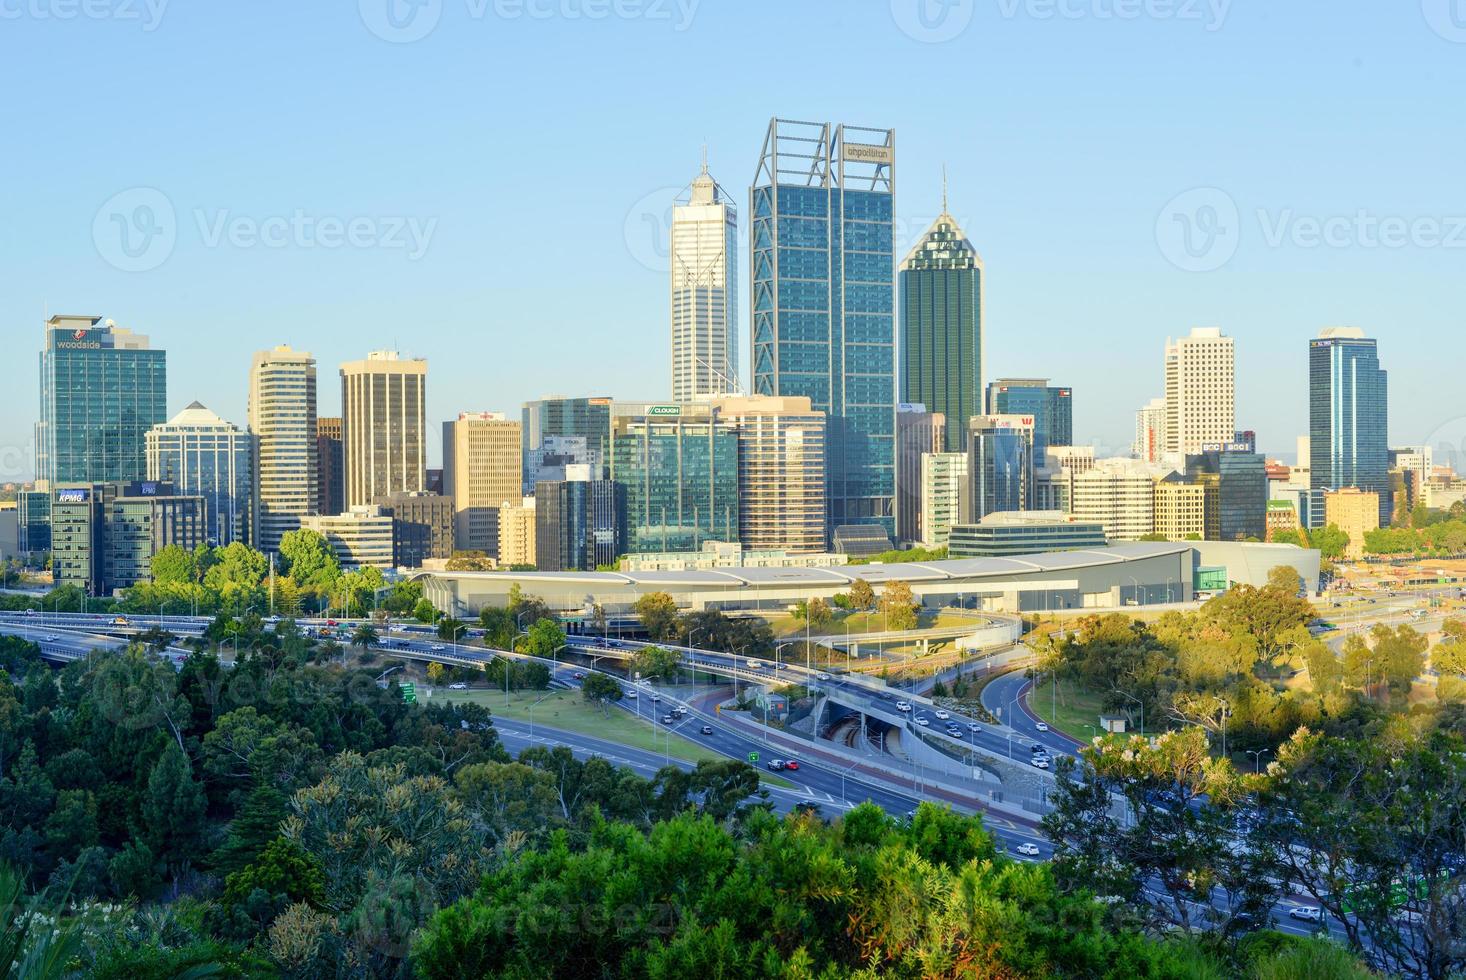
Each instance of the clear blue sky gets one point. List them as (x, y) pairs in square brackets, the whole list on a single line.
[(540, 151)]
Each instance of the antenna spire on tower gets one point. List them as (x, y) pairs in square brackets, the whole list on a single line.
[(704, 159), (944, 188)]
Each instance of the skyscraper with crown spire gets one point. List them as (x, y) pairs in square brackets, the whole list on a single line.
[(941, 326), (704, 246)]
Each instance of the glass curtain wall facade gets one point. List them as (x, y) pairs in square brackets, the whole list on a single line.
[(941, 328), (584, 418), (102, 389), (1052, 410), (1000, 464), (201, 454), (1348, 395), (823, 300), (679, 468)]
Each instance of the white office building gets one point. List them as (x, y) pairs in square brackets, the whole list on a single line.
[(943, 489), (361, 537), (704, 246), (282, 418), (1201, 391)]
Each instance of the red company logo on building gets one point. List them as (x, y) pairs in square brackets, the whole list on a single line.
[(78, 335)]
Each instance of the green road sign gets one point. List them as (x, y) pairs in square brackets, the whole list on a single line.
[(753, 757), (409, 693)]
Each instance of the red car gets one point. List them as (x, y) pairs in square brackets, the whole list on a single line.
[(791, 764)]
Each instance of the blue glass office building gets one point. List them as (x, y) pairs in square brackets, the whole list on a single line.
[(824, 300), (1052, 410), (941, 328), (1348, 395), (102, 389), (1000, 467), (679, 467)]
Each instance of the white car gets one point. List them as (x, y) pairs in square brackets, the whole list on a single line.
[(438, 648), (1306, 913), (631, 695), (821, 676), (1027, 849), (1039, 762), (459, 686), (1042, 726), (755, 665), (923, 722), (902, 706), (942, 715), (974, 727)]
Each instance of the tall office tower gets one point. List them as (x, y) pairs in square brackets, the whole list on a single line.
[(1348, 424), (704, 248), (1150, 432), (330, 466), (580, 522), (781, 472), (558, 416), (483, 469), (202, 455), (679, 467), (941, 328), (422, 527), (943, 488), (1052, 410), (1236, 492), (1000, 470), (102, 389), (824, 304), (1201, 391), (282, 418), (918, 432), (384, 426)]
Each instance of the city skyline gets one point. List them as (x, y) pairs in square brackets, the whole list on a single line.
[(1033, 211)]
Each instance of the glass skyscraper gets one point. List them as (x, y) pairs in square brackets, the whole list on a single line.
[(1000, 464), (584, 418), (941, 328), (679, 467), (1348, 394), (102, 389), (1052, 410), (205, 456), (824, 300)]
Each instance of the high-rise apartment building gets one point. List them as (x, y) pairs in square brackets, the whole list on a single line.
[(559, 418), (704, 250), (918, 433), (1052, 409), (483, 469), (361, 537), (1150, 432), (824, 300), (202, 455), (1118, 494), (1348, 396), (384, 426), (330, 466), (941, 329), (781, 472), (1000, 469), (943, 488), (102, 389), (678, 465), (517, 533), (282, 418), (1201, 391)]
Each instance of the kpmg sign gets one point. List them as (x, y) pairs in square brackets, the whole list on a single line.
[(75, 495)]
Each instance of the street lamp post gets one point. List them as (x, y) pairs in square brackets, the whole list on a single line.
[(1257, 755)]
